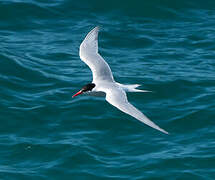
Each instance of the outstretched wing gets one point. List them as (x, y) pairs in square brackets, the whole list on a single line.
[(117, 97), (89, 54)]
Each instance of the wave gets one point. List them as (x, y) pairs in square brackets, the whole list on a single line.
[(155, 9)]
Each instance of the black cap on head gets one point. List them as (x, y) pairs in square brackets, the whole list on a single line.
[(88, 87)]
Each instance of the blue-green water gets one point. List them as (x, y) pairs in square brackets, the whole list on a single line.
[(166, 45)]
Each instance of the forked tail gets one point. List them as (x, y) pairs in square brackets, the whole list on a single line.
[(132, 88)]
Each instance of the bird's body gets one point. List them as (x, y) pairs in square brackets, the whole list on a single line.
[(103, 83)]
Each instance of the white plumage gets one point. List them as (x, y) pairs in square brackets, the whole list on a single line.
[(104, 81)]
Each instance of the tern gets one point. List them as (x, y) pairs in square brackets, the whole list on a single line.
[(103, 83)]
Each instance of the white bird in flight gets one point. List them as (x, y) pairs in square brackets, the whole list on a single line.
[(103, 83)]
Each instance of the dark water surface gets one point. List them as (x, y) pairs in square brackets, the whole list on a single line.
[(166, 45)]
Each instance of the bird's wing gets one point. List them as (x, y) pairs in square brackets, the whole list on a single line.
[(117, 97), (89, 54)]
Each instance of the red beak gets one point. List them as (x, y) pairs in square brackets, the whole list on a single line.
[(79, 92)]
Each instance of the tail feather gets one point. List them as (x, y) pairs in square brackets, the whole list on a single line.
[(132, 88), (138, 90)]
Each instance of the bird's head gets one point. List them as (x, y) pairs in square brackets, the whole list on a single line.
[(86, 88)]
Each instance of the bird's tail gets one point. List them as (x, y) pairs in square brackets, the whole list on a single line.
[(132, 88)]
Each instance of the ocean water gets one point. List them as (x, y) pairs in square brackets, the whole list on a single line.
[(168, 46)]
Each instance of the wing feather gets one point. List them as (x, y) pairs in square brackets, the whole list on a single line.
[(117, 97), (89, 54)]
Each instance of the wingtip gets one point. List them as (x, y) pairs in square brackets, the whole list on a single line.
[(163, 131), (97, 28), (90, 41), (92, 35), (160, 129)]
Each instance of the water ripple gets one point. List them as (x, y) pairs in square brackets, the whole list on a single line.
[(167, 46)]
